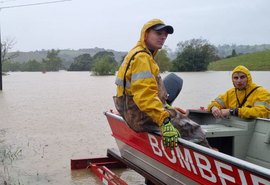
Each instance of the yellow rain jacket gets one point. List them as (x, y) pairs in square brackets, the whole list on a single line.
[(256, 105), (141, 79)]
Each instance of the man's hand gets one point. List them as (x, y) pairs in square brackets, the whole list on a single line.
[(220, 113), (216, 112), (170, 135)]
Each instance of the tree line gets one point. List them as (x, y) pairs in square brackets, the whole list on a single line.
[(191, 55), (52, 62), (102, 63)]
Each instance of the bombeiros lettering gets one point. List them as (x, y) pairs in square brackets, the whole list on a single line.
[(196, 163)]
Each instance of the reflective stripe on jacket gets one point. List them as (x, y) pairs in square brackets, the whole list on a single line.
[(256, 105), (141, 79)]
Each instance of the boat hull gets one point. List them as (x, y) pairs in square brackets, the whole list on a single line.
[(189, 163)]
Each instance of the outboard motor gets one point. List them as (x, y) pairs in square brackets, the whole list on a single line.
[(173, 85)]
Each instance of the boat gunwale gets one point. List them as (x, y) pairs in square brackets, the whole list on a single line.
[(239, 163)]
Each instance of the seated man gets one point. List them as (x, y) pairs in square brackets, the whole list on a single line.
[(141, 95), (245, 99)]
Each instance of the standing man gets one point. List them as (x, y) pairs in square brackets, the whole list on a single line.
[(141, 95), (245, 99)]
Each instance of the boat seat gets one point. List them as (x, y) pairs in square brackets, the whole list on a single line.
[(220, 130)]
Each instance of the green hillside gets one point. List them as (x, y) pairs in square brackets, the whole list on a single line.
[(259, 61)]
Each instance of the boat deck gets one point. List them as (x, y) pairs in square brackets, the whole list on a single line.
[(245, 139)]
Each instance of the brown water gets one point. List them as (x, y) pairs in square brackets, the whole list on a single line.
[(48, 119)]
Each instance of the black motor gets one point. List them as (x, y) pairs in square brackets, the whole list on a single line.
[(173, 85)]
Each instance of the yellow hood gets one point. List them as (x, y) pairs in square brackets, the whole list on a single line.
[(244, 70), (146, 26)]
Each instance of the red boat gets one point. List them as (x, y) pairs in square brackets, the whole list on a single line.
[(243, 155)]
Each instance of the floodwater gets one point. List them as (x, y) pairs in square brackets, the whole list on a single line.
[(48, 119)]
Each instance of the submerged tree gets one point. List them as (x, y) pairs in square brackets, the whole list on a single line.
[(104, 63), (82, 62), (32, 65), (52, 62), (194, 55)]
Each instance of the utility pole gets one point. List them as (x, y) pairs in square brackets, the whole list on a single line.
[(17, 6)]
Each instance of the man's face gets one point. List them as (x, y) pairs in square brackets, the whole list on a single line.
[(154, 40), (239, 80)]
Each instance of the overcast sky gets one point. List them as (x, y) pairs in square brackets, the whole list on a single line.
[(116, 24)]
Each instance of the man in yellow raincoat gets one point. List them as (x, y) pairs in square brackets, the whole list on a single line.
[(245, 99), (141, 94)]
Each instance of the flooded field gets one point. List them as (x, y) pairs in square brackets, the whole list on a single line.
[(48, 119)]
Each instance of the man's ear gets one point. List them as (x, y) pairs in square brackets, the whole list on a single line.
[(146, 35)]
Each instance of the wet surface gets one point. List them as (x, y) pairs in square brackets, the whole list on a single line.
[(48, 119)]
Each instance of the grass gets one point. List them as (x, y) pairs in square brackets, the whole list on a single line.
[(259, 61), (8, 154)]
